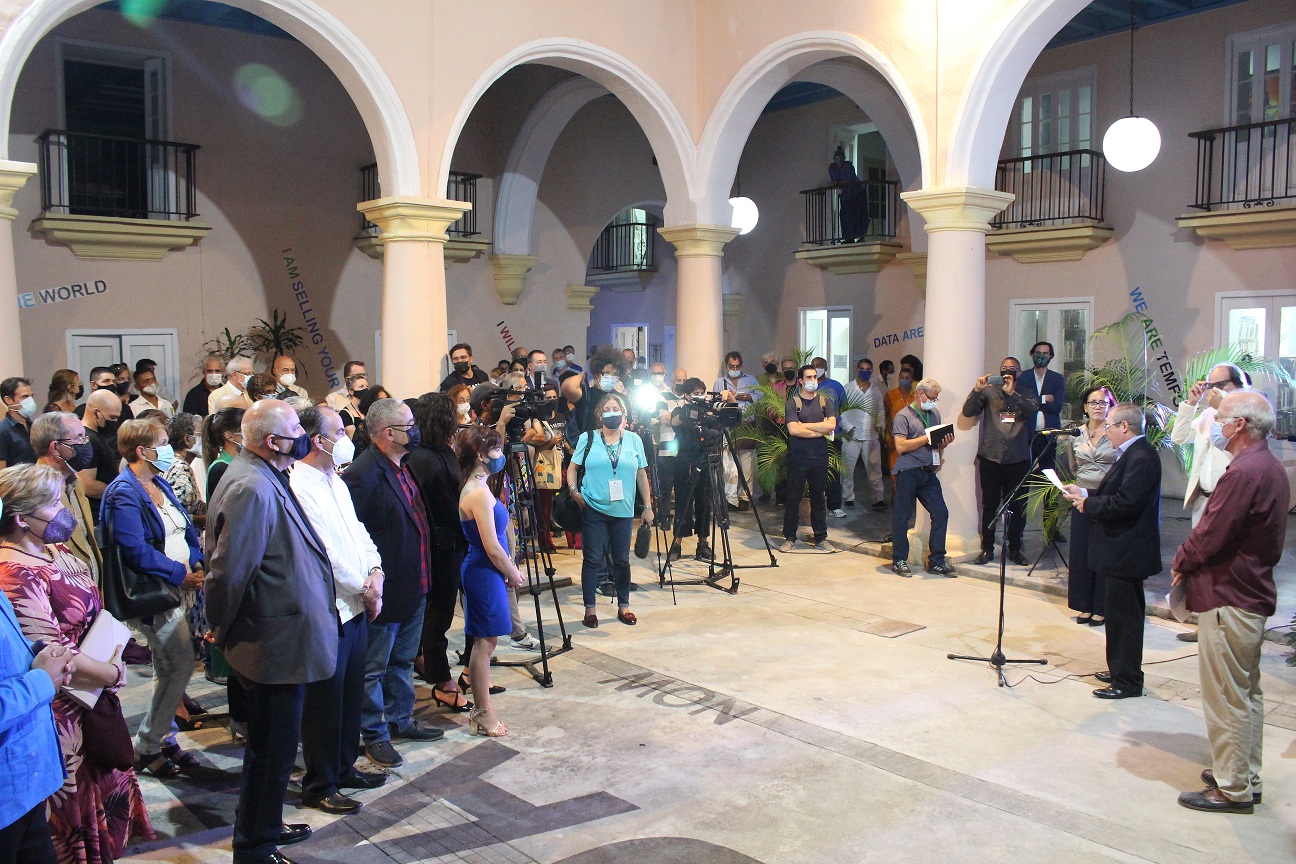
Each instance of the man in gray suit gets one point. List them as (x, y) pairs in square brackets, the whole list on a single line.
[(270, 603)]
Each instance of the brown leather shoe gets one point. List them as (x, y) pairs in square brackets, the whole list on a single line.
[(590, 621)]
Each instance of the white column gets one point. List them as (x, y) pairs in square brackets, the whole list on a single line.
[(699, 296), (414, 322), (13, 175), (954, 335)]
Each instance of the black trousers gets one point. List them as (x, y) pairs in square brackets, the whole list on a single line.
[(1126, 615), (665, 485), (442, 597), (800, 474), (330, 728), (692, 496), (27, 839), (997, 482), (274, 726), (1086, 587)]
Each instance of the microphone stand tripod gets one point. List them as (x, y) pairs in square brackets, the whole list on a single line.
[(1003, 517), (1052, 541)]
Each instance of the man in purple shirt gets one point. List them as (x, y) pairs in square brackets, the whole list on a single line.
[(1227, 565)]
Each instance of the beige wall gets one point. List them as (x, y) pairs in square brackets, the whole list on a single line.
[(262, 188)]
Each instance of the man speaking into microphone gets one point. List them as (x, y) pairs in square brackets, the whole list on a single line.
[(1003, 453)]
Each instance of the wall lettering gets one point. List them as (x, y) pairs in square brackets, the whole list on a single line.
[(897, 338), (77, 290), (1163, 362), (313, 331)]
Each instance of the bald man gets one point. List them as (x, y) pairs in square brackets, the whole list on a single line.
[(271, 606), (103, 410)]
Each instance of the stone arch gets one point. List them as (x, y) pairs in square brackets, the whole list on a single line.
[(756, 83), (992, 88), (515, 204), (657, 115), (359, 72)]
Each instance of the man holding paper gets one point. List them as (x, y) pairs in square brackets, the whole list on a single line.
[(1227, 566), (919, 438)]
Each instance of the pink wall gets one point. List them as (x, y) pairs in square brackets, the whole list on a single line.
[(263, 188)]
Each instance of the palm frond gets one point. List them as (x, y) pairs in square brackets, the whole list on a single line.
[(1202, 362)]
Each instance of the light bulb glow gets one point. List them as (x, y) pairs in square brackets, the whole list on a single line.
[(1131, 143), (745, 214)]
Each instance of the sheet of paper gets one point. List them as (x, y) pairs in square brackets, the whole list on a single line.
[(1177, 600), (1054, 479), (102, 641)]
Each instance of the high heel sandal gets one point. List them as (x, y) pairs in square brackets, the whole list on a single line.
[(451, 700), (479, 728), (464, 686)]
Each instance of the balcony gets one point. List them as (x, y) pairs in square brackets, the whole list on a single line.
[(851, 227), (1246, 185), (460, 247), (624, 257), (117, 198), (1058, 212)]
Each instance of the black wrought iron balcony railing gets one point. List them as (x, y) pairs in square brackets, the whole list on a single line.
[(102, 175), (865, 211), (460, 187), (625, 247), (1052, 190), (1243, 167)]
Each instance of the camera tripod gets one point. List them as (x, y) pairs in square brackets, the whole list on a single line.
[(538, 562), (721, 565)]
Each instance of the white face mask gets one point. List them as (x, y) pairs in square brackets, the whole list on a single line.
[(463, 409), (343, 451), (214, 379), (196, 447), (929, 405), (287, 379), (809, 386), (239, 380), (659, 378), (819, 373), (571, 358), (150, 390)]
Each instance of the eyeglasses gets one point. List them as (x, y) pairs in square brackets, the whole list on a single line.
[(70, 441), (1219, 385), (1096, 404), (1228, 419), (1114, 425)]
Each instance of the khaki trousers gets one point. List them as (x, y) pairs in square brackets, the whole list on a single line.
[(1228, 643)]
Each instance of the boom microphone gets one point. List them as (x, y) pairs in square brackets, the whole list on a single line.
[(1073, 433)]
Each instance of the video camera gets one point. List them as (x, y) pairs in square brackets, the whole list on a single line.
[(532, 406), (711, 413)]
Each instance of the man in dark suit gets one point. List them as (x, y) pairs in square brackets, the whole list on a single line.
[(1125, 545), (1048, 388), (270, 603), (388, 502)]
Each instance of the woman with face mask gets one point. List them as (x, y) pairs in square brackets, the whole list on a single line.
[(461, 396), (1090, 457), (488, 573), (614, 469), (222, 439), (64, 391), (156, 537), (352, 415), (97, 810)]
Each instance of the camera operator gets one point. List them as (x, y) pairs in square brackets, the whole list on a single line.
[(692, 479), (663, 432)]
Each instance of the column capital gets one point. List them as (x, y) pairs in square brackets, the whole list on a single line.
[(698, 241), (510, 275), (13, 176), (958, 208), (579, 297), (407, 218)]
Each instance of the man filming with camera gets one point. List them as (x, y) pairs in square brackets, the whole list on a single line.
[(694, 433)]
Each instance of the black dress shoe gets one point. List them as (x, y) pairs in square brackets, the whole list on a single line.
[(417, 731), (357, 779), (338, 804), (1115, 693), (1208, 777), (1018, 558), (272, 858), (1104, 677), (1213, 801), (984, 558), (294, 833)]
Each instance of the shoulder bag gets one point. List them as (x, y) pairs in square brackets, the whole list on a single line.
[(128, 593)]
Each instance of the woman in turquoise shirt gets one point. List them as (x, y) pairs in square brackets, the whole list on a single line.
[(615, 468)]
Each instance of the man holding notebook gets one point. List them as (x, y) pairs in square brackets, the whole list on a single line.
[(919, 437)]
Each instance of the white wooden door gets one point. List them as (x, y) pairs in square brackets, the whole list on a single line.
[(89, 348), (85, 352)]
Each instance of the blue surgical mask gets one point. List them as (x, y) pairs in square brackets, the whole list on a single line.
[(495, 464), (165, 457), (607, 383), (1217, 438), (27, 407), (865, 374), (560, 365), (929, 405), (809, 386)]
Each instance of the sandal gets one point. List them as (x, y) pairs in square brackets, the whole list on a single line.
[(181, 758), (451, 700), (156, 765), (188, 724), (499, 730), (625, 616), (194, 708), (464, 686)]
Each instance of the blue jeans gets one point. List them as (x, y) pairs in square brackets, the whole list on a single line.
[(604, 537), (389, 676), (911, 486)]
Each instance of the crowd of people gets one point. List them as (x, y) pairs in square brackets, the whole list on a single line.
[(313, 553)]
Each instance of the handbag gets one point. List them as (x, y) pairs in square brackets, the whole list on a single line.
[(566, 512), (128, 593), (105, 740), (549, 468), (642, 536)]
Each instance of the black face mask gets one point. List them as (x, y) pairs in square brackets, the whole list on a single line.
[(82, 456), (77, 394), (122, 387), (789, 374), (679, 389), (770, 368), (462, 367)]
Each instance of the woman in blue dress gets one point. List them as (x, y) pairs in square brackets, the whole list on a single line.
[(488, 570)]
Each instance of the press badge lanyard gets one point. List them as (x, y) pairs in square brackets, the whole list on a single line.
[(616, 492), (925, 417)]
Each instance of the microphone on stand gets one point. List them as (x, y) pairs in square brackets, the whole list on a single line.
[(1073, 433)]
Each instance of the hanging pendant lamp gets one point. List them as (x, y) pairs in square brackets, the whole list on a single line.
[(1132, 142)]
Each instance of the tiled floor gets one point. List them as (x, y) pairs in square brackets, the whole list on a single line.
[(811, 717)]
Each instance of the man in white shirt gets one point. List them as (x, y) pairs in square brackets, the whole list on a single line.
[(147, 384), (285, 372), (737, 386), (859, 427), (331, 714), (233, 393)]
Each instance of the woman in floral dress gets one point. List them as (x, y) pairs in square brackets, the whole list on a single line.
[(97, 811)]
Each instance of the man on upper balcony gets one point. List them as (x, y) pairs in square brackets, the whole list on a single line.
[(851, 196), (464, 372)]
